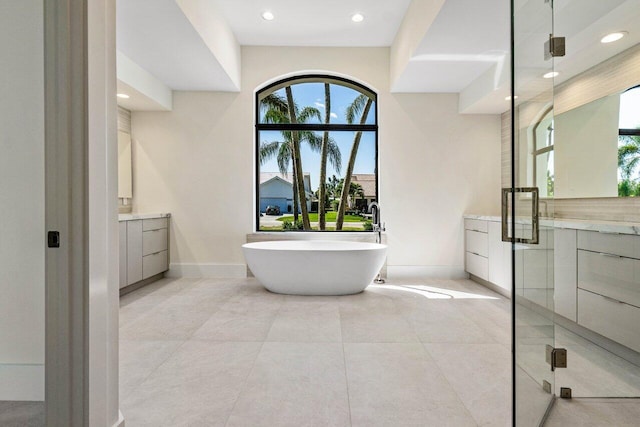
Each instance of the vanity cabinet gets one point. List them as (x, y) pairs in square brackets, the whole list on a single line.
[(476, 248), (609, 285), (144, 249), (486, 255), (589, 277)]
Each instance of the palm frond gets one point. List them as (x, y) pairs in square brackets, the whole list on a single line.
[(354, 110), (284, 157), (273, 101), (307, 114), (314, 140), (268, 150), (334, 155), (275, 116)]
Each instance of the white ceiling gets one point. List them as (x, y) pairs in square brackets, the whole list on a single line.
[(464, 50), (313, 22)]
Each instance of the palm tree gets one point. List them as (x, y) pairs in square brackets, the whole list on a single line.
[(332, 186), (322, 190), (359, 107), (276, 110), (629, 155), (331, 151), (355, 190)]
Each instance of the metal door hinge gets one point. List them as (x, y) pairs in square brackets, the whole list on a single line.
[(556, 357), (553, 47)]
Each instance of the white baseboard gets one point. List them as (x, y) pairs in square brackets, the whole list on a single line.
[(214, 271), (22, 382), (426, 272)]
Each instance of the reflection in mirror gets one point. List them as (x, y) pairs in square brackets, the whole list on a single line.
[(124, 166), (595, 148), (629, 143)]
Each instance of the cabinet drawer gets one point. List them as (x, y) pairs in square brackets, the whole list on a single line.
[(616, 244), (610, 275), (614, 320), (477, 265), (154, 241), (477, 242), (476, 225), (154, 264), (154, 224)]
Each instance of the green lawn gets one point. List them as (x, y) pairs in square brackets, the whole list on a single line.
[(276, 228), (331, 217)]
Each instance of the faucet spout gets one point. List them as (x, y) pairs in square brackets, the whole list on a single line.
[(374, 208)]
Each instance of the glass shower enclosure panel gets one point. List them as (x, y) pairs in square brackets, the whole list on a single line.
[(528, 209), (575, 119)]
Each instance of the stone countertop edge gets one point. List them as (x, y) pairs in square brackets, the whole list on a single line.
[(576, 224), (135, 216)]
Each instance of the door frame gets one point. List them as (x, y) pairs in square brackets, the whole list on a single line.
[(66, 201)]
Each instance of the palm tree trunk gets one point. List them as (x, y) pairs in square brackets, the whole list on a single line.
[(294, 188), (352, 161), (322, 191), (295, 136)]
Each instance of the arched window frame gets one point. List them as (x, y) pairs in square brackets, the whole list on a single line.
[(315, 127)]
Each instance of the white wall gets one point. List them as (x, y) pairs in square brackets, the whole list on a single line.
[(197, 162), (21, 201)]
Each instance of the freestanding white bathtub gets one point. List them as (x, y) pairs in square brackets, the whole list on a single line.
[(315, 267)]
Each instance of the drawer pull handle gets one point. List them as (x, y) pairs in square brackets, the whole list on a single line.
[(610, 255), (608, 232), (611, 299)]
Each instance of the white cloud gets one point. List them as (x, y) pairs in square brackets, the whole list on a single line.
[(334, 115), (319, 104)]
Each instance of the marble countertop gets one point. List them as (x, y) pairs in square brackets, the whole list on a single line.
[(134, 216), (576, 224)]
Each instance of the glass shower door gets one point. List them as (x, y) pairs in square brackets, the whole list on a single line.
[(528, 211)]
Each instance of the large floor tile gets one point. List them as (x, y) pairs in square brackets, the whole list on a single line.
[(167, 322), (594, 413), (138, 359), (21, 414), (372, 328), (481, 376), (307, 321), (196, 386), (441, 321), (399, 384), (295, 384), (232, 325)]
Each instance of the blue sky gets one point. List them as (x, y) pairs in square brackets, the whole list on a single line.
[(312, 94)]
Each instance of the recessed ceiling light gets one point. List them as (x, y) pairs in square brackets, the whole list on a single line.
[(357, 17), (612, 37), (550, 74), (267, 16), (123, 96), (508, 98)]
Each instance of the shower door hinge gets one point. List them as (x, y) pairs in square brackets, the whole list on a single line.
[(565, 392), (553, 47), (556, 357)]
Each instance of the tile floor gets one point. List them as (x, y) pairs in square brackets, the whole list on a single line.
[(227, 352), (21, 414)]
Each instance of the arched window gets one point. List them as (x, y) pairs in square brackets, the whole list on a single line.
[(316, 154)]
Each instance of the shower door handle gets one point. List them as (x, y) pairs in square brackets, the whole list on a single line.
[(535, 221)]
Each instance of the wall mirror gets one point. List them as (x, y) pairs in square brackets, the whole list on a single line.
[(589, 151)]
